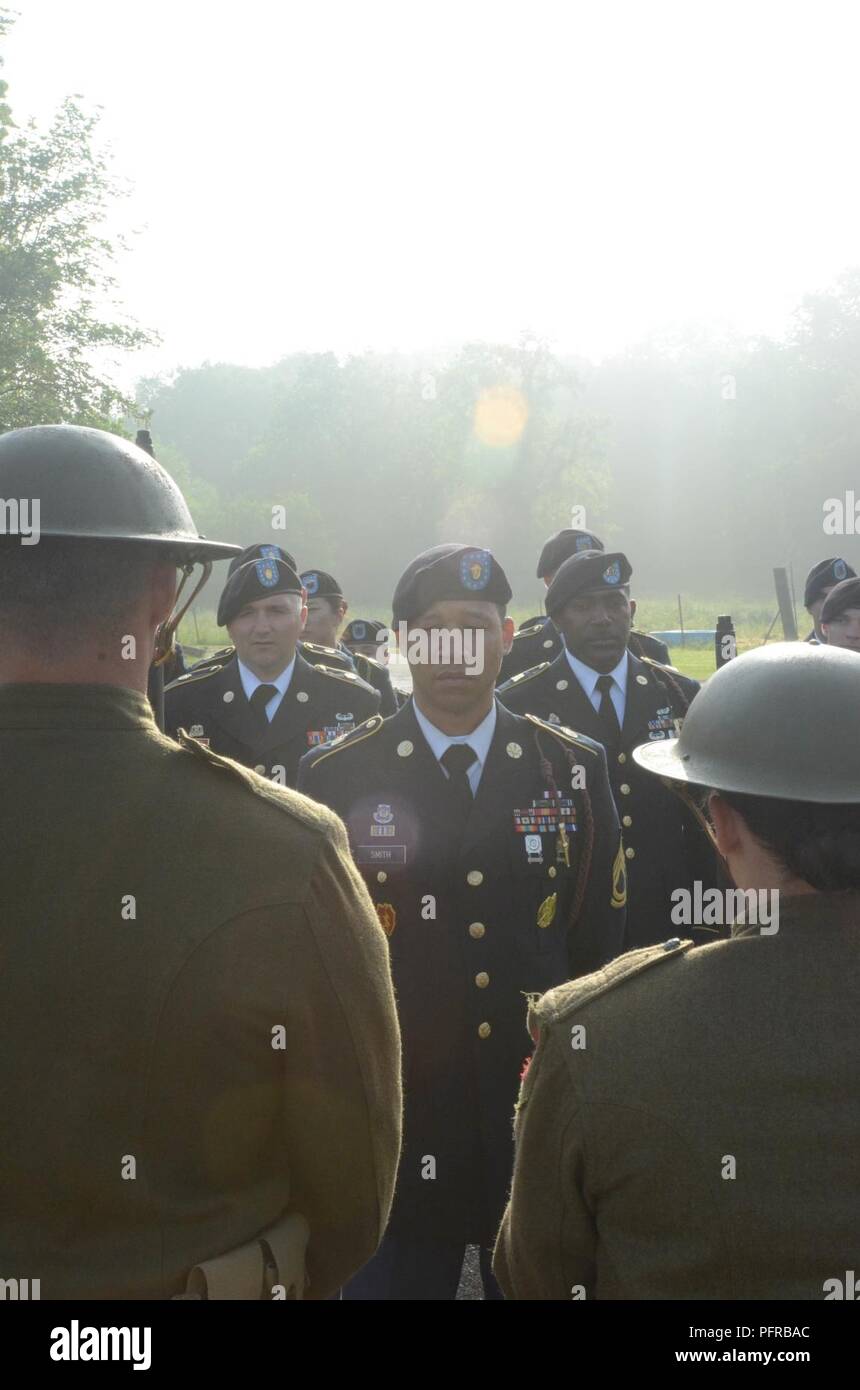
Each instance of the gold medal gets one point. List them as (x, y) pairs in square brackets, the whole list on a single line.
[(387, 917)]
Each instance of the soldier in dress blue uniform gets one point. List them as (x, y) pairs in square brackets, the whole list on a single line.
[(491, 848), (327, 609), (598, 686), (260, 701), (822, 578), (538, 639)]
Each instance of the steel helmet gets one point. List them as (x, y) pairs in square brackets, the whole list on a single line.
[(92, 485), (765, 724)]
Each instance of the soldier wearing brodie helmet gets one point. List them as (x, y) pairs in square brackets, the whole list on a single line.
[(703, 1144), (156, 997)]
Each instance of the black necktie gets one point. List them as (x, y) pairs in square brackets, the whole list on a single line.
[(457, 760), (607, 716), (260, 698)]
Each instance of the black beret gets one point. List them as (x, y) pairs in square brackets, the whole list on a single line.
[(261, 552), (561, 546), (449, 572), (590, 569), (824, 575), (362, 630), (321, 585), (257, 579), (844, 595)]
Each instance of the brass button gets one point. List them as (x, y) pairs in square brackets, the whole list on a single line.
[(382, 876), (631, 853), (302, 697), (482, 979), (626, 820), (405, 748), (548, 642), (561, 685), (484, 1030), (476, 930), (624, 789), (622, 757), (552, 871), (475, 878), (641, 680), (261, 768)]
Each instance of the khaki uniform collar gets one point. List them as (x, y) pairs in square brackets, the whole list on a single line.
[(813, 910), (97, 707)]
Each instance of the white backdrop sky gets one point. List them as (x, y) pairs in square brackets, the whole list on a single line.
[(399, 175)]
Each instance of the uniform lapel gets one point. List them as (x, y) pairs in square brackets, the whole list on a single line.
[(641, 702), (502, 774), (574, 709), (292, 714), (232, 711)]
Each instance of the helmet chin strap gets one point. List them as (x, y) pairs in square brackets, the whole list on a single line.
[(166, 632)]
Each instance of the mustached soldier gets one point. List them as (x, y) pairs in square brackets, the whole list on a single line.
[(199, 1041), (262, 703), (598, 686), (538, 638), (701, 1140), (491, 848)]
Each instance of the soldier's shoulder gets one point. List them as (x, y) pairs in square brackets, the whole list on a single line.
[(236, 782), (670, 674), (625, 972), (524, 677), (318, 655), (369, 663), (344, 744), (197, 675), (345, 677), (568, 738)]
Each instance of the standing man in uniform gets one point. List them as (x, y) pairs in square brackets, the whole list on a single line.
[(201, 1053), (598, 686), (820, 581), (702, 1142), (491, 848), (263, 704), (539, 640), (327, 609)]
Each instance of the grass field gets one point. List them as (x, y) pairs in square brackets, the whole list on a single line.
[(751, 619)]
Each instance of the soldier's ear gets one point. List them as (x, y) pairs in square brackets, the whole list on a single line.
[(632, 609), (727, 825), (507, 634)]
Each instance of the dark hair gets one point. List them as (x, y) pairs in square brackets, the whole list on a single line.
[(62, 585), (819, 844)]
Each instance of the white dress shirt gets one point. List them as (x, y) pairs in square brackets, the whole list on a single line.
[(282, 682), (479, 741), (588, 679)]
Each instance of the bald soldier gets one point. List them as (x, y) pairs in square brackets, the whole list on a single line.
[(538, 639), (490, 846), (200, 1085), (690, 1122), (597, 685), (260, 701)]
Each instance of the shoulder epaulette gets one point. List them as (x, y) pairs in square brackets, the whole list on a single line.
[(340, 674), (317, 650), (360, 659), (529, 631), (222, 656), (197, 673), (524, 676), (661, 666), (276, 795), (561, 731), (565, 999), (348, 740)]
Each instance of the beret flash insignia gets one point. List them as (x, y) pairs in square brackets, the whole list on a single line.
[(840, 569), (612, 573), (267, 572), (475, 569), (312, 583)]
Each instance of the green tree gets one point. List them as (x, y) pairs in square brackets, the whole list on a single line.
[(55, 273)]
